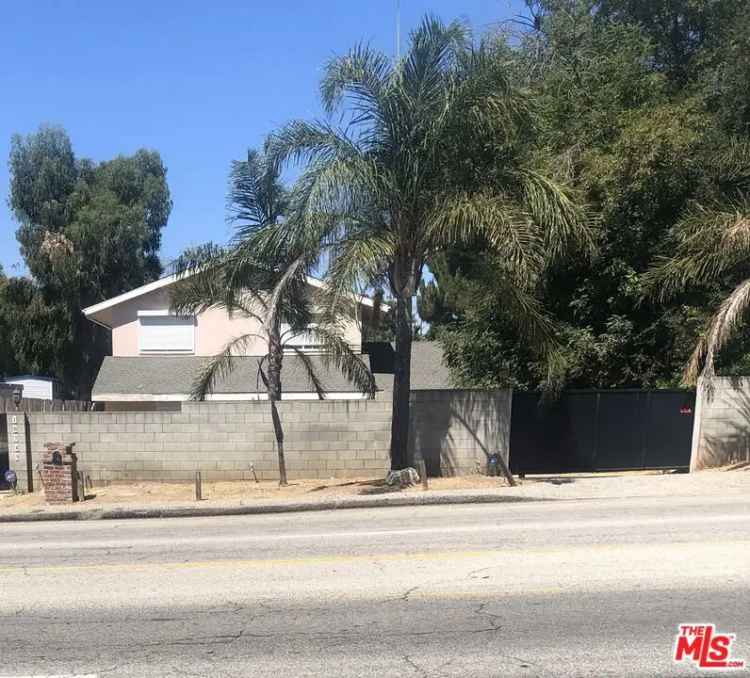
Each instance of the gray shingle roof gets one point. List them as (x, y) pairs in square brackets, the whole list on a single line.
[(163, 375), (427, 368)]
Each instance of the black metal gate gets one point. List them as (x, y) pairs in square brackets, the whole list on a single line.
[(609, 430)]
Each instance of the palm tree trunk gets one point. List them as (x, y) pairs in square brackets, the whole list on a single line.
[(275, 358), (401, 385), (279, 433)]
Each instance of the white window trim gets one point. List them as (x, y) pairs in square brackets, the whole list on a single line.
[(153, 313)]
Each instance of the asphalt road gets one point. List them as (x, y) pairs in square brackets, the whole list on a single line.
[(592, 588)]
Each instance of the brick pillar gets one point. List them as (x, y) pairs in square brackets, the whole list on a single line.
[(59, 473)]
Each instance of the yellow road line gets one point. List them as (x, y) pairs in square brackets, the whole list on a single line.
[(708, 548)]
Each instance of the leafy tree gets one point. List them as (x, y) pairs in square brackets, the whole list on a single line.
[(7, 356), (88, 231), (33, 329), (430, 156), (681, 31), (632, 116), (274, 291), (724, 79)]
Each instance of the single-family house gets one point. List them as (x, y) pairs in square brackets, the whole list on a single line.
[(157, 354)]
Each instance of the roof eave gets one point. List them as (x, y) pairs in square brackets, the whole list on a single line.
[(91, 311)]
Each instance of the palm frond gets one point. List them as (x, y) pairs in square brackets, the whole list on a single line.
[(301, 141), (467, 218), (201, 283), (731, 166), (434, 49), (312, 376), (526, 312), (256, 196), (720, 330), (343, 187), (565, 225), (710, 242), (208, 279), (361, 78), (219, 366), (485, 101), (338, 353), (356, 265)]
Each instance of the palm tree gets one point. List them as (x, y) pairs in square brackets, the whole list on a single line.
[(712, 246), (428, 155), (274, 291)]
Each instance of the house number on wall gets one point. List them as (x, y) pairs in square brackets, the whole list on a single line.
[(15, 444)]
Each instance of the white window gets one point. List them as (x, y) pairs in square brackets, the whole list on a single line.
[(160, 332)]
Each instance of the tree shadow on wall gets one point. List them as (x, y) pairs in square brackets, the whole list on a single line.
[(725, 436), (455, 431)]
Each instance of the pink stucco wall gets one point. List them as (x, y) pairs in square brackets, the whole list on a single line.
[(214, 328)]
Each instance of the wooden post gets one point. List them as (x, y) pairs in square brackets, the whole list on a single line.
[(198, 489), (81, 486), (423, 474)]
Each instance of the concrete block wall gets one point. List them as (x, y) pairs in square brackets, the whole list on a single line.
[(455, 431), (4, 448), (721, 430), (452, 430), (322, 439)]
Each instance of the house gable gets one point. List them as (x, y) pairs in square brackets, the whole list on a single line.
[(142, 324)]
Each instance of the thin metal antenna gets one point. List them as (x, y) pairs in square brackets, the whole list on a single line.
[(398, 30)]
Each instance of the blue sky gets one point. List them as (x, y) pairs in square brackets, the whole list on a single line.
[(198, 81)]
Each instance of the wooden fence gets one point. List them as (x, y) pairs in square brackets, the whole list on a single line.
[(39, 405)]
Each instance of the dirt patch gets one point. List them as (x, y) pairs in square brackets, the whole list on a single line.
[(717, 482), (148, 493)]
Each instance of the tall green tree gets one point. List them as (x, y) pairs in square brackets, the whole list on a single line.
[(682, 32), (7, 355), (88, 231), (428, 157), (32, 330), (271, 288)]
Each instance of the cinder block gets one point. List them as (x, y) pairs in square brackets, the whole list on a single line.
[(380, 463), (216, 447)]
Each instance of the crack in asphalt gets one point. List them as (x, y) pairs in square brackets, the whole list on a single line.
[(491, 618), (422, 672)]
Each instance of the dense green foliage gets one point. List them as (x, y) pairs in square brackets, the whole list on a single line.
[(88, 231), (635, 102)]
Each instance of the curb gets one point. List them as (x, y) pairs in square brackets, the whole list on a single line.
[(260, 509)]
